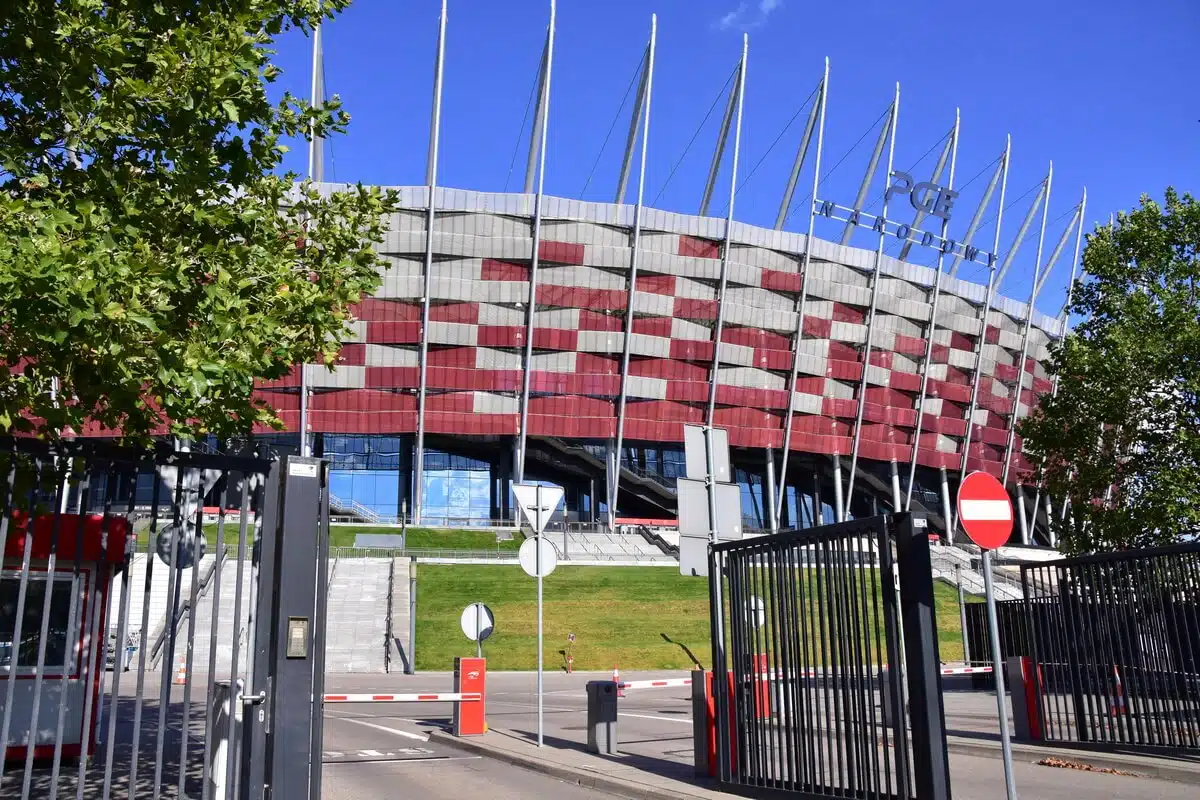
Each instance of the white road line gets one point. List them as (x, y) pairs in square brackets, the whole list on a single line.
[(429, 760), (663, 719), (405, 734)]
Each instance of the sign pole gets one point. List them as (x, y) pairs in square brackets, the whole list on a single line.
[(539, 624), (986, 515), (479, 628), (998, 673)]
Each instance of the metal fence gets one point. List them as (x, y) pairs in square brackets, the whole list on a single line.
[(83, 711), (805, 625), (1115, 645)]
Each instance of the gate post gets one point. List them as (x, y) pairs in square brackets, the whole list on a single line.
[(931, 764), (289, 637)]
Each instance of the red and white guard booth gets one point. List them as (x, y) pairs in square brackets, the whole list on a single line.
[(75, 602)]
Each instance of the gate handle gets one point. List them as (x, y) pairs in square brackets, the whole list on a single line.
[(254, 699)]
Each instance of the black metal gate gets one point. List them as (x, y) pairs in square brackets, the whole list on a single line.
[(1115, 648), (807, 644), (136, 602)]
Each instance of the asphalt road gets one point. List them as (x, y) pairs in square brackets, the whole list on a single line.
[(380, 750)]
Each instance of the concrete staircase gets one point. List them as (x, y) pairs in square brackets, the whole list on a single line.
[(357, 614)]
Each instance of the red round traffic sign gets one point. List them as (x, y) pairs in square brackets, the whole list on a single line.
[(985, 510)]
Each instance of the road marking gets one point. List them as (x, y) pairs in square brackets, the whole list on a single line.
[(405, 734), (664, 719), (425, 760)]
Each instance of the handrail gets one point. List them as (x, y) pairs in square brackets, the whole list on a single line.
[(185, 605), (387, 638)]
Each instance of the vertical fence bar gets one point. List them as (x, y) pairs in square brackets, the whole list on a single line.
[(184, 732), (144, 638), (207, 765), (122, 641), (172, 625), (22, 599), (62, 492)]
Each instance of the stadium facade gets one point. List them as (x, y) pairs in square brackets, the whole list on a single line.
[(365, 414)]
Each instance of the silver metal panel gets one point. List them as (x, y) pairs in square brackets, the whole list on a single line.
[(696, 457)]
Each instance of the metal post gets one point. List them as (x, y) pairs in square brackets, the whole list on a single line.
[(1064, 317), (539, 114), (412, 616), (866, 362), (316, 173), (724, 279), (771, 498), (973, 225), (1016, 406), (918, 632), (538, 501), (962, 614), (950, 151), (789, 411), (431, 166), (931, 330), (998, 674), (537, 243), (710, 183), (647, 87), (639, 106), (1020, 237), (984, 313), (478, 631), (801, 153), (839, 507), (1020, 490), (947, 509), (865, 186), (895, 487)]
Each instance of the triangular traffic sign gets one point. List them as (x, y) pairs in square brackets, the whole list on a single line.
[(537, 503)]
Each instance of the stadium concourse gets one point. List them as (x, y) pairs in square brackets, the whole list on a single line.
[(364, 415)]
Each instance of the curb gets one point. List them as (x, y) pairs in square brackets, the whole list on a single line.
[(1143, 766), (582, 777)]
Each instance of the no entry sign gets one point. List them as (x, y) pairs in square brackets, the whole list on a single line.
[(985, 511)]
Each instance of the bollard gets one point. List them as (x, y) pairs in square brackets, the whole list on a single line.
[(703, 719), (602, 717), (470, 675), (1023, 689)]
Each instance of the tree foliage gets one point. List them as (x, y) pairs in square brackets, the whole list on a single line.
[(154, 262), (1121, 439)]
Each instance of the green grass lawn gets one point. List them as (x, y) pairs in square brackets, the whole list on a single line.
[(430, 538), (634, 617)]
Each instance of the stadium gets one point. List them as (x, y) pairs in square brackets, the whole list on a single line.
[(522, 336)]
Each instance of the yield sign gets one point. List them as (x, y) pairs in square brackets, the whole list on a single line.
[(985, 510), (537, 503)]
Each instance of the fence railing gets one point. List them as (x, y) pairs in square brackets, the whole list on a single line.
[(1115, 645)]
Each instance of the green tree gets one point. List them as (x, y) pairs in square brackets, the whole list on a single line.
[(154, 260), (1121, 440)]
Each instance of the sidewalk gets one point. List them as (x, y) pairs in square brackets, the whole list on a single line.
[(629, 775)]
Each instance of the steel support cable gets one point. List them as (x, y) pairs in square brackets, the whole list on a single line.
[(692, 141), (616, 117), (842, 160), (778, 138), (517, 144)]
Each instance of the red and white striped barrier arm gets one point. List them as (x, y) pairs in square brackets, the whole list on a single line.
[(965, 670), (662, 684), (443, 697)]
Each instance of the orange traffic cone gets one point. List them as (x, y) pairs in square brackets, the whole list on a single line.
[(1118, 703), (617, 681), (181, 675)]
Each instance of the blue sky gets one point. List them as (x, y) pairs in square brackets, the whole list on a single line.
[(1106, 89)]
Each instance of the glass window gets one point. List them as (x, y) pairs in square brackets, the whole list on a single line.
[(58, 641)]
